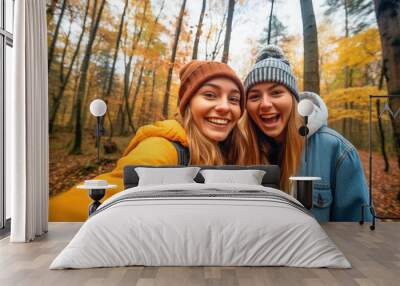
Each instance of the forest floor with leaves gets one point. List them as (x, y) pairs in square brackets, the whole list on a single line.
[(385, 185), (68, 170)]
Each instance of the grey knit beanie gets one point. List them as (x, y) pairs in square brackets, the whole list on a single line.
[(272, 66)]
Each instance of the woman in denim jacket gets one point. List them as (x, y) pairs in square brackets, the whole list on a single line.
[(271, 125)]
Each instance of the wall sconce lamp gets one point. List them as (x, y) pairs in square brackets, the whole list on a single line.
[(303, 186), (305, 109), (98, 108)]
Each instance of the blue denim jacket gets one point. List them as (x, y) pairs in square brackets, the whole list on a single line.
[(343, 188)]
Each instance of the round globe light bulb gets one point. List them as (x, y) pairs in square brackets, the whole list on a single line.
[(98, 107), (305, 107)]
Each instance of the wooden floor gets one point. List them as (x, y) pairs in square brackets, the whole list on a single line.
[(374, 255)]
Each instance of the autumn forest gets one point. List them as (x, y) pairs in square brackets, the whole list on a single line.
[(129, 52)]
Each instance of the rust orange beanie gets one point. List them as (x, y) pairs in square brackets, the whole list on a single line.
[(196, 73)]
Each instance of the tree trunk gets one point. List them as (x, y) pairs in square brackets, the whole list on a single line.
[(63, 112), (120, 119), (55, 35), (311, 54), (172, 60), (217, 46), (128, 66), (76, 148), (108, 88), (208, 37), (57, 99), (125, 95), (270, 21), (228, 31), (347, 71), (131, 109), (199, 30), (382, 136), (62, 62), (388, 17), (110, 123), (367, 78), (153, 94), (143, 105), (344, 122), (137, 90), (87, 96), (121, 25), (151, 36), (70, 125)]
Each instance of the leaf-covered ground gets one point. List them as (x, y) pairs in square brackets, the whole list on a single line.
[(67, 170), (385, 186)]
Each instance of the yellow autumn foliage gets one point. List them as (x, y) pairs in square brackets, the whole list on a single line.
[(360, 52), (352, 103), (359, 49)]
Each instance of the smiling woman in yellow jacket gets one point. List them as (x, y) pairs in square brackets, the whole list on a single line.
[(211, 104)]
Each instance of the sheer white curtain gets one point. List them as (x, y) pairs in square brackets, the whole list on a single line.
[(26, 124)]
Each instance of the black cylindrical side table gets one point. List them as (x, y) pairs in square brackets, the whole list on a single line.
[(302, 190)]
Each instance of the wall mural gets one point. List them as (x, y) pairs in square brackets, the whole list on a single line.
[(137, 56)]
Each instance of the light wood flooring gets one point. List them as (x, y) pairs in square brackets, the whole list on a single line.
[(374, 255)]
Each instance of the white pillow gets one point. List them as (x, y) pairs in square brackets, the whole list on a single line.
[(249, 177), (165, 176)]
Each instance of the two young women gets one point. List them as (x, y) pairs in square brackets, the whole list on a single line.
[(212, 100)]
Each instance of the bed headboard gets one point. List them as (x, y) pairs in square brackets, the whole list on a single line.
[(270, 179)]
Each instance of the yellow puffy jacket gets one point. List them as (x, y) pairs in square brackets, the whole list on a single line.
[(150, 146)]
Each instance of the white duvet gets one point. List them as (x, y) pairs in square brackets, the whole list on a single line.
[(183, 231)]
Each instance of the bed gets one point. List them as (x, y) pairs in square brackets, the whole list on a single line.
[(201, 224)]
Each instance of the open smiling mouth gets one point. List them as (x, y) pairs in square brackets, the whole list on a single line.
[(270, 119), (220, 122)]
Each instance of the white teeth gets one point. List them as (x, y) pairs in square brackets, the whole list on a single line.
[(218, 121)]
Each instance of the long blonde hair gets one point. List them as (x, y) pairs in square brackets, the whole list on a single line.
[(206, 152), (260, 146)]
